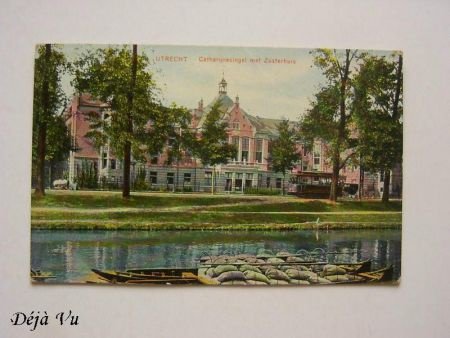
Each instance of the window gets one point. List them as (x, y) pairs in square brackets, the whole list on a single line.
[(113, 164), (258, 150), (259, 180), (235, 125), (208, 178), (382, 176), (316, 155), (235, 142), (316, 159), (248, 180), (245, 144), (238, 182), (154, 159), (153, 177), (228, 181), (268, 182), (278, 183), (104, 160), (187, 177), (171, 142), (170, 177)]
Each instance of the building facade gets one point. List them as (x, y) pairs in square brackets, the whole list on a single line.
[(250, 169)]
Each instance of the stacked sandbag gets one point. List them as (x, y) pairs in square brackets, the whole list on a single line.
[(335, 273), (269, 269), (278, 282), (330, 269), (294, 259), (253, 276), (247, 267), (218, 270), (295, 266), (276, 274), (275, 260), (283, 254), (300, 274), (299, 282), (230, 276)]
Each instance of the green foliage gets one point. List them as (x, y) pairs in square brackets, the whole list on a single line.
[(262, 191), (330, 116), (213, 147), (284, 152), (378, 111), (322, 120), (87, 177), (181, 139), (140, 182), (52, 70), (57, 141), (106, 75)]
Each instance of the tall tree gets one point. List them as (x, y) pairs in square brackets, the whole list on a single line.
[(378, 111), (182, 139), (330, 117), (49, 132), (284, 153), (139, 124), (213, 147)]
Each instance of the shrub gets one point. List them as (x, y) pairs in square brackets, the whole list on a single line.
[(261, 191)]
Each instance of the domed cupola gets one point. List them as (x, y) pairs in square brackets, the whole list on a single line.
[(223, 86)]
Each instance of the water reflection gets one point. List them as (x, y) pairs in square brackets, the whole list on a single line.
[(70, 255)]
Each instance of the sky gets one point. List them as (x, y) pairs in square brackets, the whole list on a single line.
[(270, 82)]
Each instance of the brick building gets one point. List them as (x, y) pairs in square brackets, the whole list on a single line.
[(250, 168)]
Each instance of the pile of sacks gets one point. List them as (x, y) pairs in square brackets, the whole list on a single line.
[(258, 270)]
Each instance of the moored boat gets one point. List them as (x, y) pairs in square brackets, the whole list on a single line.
[(40, 276), (149, 276), (238, 274)]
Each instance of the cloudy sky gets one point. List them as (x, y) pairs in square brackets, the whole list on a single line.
[(270, 82)]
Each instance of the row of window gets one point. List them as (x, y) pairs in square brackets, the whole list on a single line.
[(187, 177), (245, 147)]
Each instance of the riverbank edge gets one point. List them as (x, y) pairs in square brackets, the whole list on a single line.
[(88, 225)]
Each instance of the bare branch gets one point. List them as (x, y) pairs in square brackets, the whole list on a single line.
[(344, 162), (337, 63)]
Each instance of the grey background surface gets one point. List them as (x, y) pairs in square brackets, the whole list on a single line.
[(419, 307)]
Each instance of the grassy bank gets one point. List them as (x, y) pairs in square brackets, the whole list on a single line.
[(106, 210), (80, 225)]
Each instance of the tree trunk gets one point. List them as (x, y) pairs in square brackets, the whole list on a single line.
[(127, 147), (398, 89), (284, 179), (361, 182), (42, 121), (212, 180), (386, 184), (344, 73), (334, 182)]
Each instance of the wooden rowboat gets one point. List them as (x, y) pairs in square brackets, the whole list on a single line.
[(149, 276), (363, 266), (192, 276), (39, 276)]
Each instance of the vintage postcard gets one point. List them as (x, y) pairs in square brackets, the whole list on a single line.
[(191, 165)]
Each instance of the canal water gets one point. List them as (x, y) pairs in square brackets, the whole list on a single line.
[(70, 255)]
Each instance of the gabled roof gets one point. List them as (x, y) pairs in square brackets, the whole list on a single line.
[(226, 103)]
